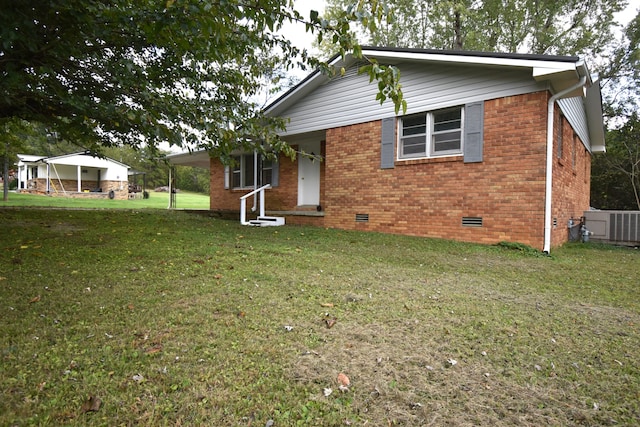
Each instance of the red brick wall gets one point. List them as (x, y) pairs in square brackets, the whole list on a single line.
[(69, 188), (430, 197), (571, 180), (284, 197)]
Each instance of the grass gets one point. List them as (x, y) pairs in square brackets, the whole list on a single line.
[(159, 200), (170, 318)]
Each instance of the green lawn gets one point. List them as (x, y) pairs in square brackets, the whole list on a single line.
[(160, 200), (171, 318)]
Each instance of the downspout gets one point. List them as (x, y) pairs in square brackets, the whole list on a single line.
[(549, 170)]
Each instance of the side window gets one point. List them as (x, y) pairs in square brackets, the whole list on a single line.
[(560, 135), (242, 172), (432, 134)]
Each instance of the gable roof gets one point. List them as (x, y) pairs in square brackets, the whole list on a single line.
[(557, 73), (80, 158), (563, 69)]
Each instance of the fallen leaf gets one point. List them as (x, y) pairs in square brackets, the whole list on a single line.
[(326, 304), (130, 306), (330, 322), (343, 380), (155, 349), (92, 404), (34, 299), (241, 314)]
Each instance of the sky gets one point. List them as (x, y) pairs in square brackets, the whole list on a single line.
[(296, 32)]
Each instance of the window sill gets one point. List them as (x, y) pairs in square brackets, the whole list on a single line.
[(444, 159)]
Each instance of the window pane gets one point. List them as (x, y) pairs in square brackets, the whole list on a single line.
[(265, 176), (446, 141), (236, 171), (447, 120), (248, 171), (414, 146), (414, 125)]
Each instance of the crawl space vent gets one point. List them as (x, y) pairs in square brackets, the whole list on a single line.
[(471, 221), (362, 217)]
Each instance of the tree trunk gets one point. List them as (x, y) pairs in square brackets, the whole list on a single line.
[(457, 29), (5, 173)]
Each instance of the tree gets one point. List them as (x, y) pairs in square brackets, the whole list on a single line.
[(146, 72), (565, 27), (616, 174)]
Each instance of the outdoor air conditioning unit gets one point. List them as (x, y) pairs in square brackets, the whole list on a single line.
[(620, 227)]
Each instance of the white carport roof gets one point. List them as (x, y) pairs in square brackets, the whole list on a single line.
[(73, 159), (198, 159)]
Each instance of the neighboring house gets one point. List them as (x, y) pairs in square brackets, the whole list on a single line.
[(73, 175), (493, 147)]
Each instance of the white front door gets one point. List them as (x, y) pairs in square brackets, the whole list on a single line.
[(309, 175)]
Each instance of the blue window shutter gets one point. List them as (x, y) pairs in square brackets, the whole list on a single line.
[(473, 132), (227, 178), (387, 151), (275, 172)]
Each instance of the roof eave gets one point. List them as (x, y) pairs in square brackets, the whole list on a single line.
[(561, 71)]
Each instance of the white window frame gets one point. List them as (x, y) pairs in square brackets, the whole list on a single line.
[(244, 161), (429, 134), (239, 167)]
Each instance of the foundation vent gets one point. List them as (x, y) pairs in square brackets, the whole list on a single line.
[(471, 221), (362, 217)]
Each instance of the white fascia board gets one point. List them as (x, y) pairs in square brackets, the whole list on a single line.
[(28, 158), (197, 158), (82, 159), (543, 66)]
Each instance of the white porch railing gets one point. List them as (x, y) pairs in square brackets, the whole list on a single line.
[(243, 203)]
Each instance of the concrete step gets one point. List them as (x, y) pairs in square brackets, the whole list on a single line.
[(267, 221)]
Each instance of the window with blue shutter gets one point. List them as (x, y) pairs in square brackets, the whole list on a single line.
[(432, 134)]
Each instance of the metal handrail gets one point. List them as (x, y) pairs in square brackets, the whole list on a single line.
[(243, 203)]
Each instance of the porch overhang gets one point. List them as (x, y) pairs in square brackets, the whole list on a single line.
[(199, 159)]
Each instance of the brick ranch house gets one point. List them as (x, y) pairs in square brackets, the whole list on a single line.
[(73, 175), (493, 147)]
